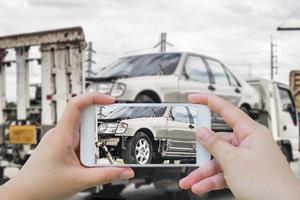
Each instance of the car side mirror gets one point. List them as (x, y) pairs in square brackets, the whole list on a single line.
[(171, 117), (287, 107), (185, 75)]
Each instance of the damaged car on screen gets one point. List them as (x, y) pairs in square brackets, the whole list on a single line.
[(150, 134)]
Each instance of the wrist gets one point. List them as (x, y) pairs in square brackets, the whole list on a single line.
[(8, 192), (12, 190)]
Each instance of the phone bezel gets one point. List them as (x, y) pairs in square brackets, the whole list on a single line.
[(87, 149)]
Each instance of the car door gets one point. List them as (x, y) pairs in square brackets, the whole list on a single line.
[(221, 82), (180, 129), (235, 87), (194, 78), (288, 122)]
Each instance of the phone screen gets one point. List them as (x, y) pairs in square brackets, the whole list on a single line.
[(143, 135)]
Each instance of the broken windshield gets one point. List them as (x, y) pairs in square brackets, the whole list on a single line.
[(144, 65), (136, 112)]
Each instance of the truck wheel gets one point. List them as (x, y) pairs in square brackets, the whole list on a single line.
[(143, 98), (139, 149), (286, 153)]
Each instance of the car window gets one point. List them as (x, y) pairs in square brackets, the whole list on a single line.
[(218, 72), (143, 65), (180, 114), (193, 111), (286, 99), (196, 70), (132, 112), (232, 79)]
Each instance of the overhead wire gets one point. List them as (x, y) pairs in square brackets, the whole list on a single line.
[(289, 17)]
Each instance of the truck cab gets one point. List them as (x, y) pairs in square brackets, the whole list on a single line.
[(279, 114)]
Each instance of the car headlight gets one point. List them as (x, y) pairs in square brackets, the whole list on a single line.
[(122, 127), (118, 89), (104, 88), (112, 128), (91, 88)]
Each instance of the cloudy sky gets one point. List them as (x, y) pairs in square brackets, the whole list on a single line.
[(236, 32)]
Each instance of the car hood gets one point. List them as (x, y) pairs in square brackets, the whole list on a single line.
[(128, 80), (144, 120)]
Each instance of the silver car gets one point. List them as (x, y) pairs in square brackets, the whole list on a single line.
[(142, 135), (171, 77)]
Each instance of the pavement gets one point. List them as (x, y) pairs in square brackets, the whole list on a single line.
[(148, 192)]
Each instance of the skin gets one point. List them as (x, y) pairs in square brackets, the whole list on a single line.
[(247, 161), (54, 170)]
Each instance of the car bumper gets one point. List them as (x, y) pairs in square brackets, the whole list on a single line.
[(113, 141)]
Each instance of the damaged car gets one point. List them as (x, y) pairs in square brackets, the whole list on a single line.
[(146, 134)]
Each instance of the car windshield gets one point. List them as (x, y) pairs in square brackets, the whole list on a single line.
[(136, 112), (143, 65)]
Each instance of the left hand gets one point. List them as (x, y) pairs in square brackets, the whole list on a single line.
[(54, 170)]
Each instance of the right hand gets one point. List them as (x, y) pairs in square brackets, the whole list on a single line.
[(247, 161)]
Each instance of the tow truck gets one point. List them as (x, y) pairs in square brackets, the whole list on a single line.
[(62, 77)]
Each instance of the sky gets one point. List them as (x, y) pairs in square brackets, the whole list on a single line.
[(236, 32)]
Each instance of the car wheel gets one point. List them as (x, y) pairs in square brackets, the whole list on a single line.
[(143, 98), (139, 149), (286, 153), (245, 110)]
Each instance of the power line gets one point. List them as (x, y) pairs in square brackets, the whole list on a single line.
[(288, 18)]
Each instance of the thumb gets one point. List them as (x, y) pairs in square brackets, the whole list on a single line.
[(214, 144)]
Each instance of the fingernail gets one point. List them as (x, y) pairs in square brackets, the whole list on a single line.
[(203, 134), (127, 174)]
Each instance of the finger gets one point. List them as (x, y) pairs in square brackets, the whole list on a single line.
[(226, 136), (214, 144), (71, 115), (101, 175), (233, 116), (209, 169), (215, 182)]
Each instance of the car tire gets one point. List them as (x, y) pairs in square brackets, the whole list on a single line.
[(245, 110), (139, 149), (286, 153), (143, 98)]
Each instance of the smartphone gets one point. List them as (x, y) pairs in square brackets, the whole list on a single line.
[(143, 135)]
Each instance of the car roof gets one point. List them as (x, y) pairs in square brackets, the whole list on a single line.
[(173, 52)]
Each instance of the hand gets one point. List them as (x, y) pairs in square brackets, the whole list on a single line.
[(54, 170), (247, 161)]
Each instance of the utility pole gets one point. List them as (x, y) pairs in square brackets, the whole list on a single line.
[(163, 42), (90, 61), (273, 59)]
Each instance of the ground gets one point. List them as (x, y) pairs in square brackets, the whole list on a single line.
[(150, 193)]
